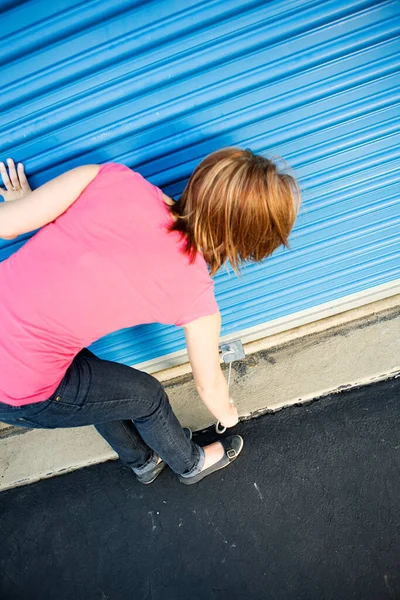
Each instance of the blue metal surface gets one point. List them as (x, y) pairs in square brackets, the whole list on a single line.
[(157, 85)]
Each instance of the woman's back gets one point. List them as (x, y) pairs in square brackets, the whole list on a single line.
[(105, 264)]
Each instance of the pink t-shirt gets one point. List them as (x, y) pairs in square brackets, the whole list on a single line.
[(105, 264)]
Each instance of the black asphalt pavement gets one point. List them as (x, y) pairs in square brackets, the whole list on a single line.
[(310, 511)]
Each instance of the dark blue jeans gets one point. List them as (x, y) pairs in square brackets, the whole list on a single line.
[(129, 408)]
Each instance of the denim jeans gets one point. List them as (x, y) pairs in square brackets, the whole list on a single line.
[(129, 408)]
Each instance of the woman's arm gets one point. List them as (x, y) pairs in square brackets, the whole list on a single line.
[(32, 210), (202, 336)]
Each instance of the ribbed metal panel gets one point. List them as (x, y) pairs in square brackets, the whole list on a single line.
[(158, 85)]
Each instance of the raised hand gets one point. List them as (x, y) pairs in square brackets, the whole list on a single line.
[(15, 181)]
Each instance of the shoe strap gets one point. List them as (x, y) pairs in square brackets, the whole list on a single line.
[(229, 451)]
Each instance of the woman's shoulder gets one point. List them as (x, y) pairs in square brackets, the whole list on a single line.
[(114, 166)]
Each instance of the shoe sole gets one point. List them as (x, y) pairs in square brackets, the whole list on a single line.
[(187, 481)]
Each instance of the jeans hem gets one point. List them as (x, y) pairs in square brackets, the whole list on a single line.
[(148, 466), (198, 465)]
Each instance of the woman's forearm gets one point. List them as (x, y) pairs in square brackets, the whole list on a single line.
[(217, 399), (45, 204)]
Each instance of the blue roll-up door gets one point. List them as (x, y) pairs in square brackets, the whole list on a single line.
[(158, 85)]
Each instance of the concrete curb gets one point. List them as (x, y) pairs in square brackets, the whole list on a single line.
[(314, 360)]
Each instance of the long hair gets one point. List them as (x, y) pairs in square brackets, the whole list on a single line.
[(236, 206)]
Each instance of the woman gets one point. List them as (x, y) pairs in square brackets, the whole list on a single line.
[(112, 252)]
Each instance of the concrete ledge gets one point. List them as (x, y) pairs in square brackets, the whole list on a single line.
[(348, 350), (41, 453)]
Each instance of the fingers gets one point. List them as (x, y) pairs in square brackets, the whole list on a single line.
[(12, 179), (5, 177), (13, 173), (22, 178)]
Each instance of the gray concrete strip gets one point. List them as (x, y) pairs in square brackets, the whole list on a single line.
[(40, 454), (351, 354)]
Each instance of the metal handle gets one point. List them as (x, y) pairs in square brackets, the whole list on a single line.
[(219, 428)]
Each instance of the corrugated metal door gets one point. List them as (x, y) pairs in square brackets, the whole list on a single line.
[(157, 85)]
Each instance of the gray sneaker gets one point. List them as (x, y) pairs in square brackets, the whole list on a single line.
[(152, 474)]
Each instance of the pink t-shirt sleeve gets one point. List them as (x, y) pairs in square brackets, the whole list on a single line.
[(204, 305)]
